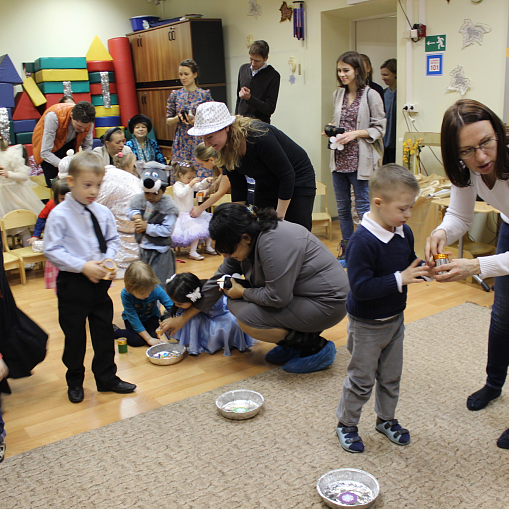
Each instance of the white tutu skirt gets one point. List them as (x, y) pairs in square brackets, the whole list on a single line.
[(188, 229), (18, 195), (216, 330)]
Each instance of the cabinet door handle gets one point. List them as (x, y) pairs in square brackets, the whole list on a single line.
[(141, 42), (171, 34)]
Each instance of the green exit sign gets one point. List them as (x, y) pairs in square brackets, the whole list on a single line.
[(435, 43)]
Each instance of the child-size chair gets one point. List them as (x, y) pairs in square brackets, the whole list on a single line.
[(323, 218), (20, 218)]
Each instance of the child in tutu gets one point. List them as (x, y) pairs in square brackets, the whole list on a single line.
[(141, 307), (15, 186), (216, 330), (189, 231), (59, 188)]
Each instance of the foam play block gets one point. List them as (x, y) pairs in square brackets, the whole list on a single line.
[(97, 100), (23, 138), (8, 73), (25, 109), (100, 66), (30, 149), (95, 77), (96, 88), (97, 51), (6, 95), (61, 75), (29, 67), (54, 98), (107, 121), (96, 142), (23, 126), (101, 111), (60, 63), (56, 87), (99, 131), (33, 92)]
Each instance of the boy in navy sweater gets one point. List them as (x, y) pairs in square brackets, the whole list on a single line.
[(381, 263)]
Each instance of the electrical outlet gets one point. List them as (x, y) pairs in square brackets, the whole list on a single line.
[(411, 108), (411, 34)]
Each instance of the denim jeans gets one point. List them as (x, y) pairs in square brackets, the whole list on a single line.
[(498, 338), (342, 183)]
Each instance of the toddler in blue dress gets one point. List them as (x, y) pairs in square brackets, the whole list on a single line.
[(205, 332)]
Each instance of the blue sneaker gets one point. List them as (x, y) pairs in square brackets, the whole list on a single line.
[(323, 359), (349, 439), (281, 354), (394, 432)]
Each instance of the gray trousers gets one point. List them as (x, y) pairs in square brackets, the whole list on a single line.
[(377, 356), (163, 264)]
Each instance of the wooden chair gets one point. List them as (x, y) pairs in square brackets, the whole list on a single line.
[(43, 192), (323, 218), (227, 198), (15, 262), (21, 218)]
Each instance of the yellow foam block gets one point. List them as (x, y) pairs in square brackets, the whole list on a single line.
[(99, 131), (97, 51), (33, 92), (101, 111), (61, 75)]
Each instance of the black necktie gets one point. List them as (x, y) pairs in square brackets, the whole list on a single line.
[(97, 230)]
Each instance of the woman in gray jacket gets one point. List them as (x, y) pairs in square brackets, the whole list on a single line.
[(293, 289), (358, 151)]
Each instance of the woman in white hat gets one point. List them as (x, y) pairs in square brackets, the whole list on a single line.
[(284, 175)]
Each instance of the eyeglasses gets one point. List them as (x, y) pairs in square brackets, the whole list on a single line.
[(484, 146)]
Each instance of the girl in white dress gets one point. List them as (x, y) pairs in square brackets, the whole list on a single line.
[(189, 231)]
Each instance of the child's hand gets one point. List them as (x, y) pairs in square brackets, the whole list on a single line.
[(31, 240), (4, 370), (414, 272), (154, 341), (195, 181), (94, 270), (3, 172), (140, 225)]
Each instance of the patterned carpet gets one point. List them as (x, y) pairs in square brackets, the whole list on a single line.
[(185, 455)]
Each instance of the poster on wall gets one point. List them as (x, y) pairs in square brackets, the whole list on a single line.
[(435, 65)]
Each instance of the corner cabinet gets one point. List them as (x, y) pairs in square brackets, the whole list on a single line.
[(157, 53)]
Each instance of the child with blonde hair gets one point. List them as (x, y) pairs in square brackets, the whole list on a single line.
[(141, 308), (207, 157), (189, 231)]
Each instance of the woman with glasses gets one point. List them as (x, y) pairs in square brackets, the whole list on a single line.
[(476, 160)]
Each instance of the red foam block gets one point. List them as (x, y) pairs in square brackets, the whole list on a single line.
[(100, 65), (96, 89), (24, 108), (54, 98), (30, 149)]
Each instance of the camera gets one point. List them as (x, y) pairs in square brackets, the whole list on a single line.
[(332, 130), (185, 114)]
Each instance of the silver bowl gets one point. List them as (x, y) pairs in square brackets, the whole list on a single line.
[(239, 404), (175, 351), (348, 487)]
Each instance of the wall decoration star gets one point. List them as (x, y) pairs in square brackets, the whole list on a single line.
[(286, 12), (459, 83), (473, 33)]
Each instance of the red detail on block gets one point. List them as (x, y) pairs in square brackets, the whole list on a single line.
[(54, 98), (96, 89), (24, 108), (100, 66), (30, 149)]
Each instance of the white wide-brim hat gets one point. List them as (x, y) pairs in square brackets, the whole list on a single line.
[(211, 117)]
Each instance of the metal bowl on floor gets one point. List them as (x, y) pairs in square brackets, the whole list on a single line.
[(166, 353), (239, 404), (348, 487)]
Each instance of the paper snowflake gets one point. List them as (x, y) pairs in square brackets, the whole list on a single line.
[(459, 82), (292, 79), (473, 33), (254, 9)]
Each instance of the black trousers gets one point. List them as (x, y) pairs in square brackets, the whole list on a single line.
[(79, 299), (389, 155), (50, 172), (300, 210)]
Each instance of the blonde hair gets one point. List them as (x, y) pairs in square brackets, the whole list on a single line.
[(390, 179), (181, 169), (123, 160), (241, 128), (140, 277), (204, 153), (86, 161)]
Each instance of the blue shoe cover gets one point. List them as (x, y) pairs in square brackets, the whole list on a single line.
[(281, 354), (323, 359)]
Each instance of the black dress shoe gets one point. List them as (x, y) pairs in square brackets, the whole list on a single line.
[(75, 394), (121, 387)]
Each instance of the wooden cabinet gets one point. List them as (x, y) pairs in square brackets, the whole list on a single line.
[(157, 53)]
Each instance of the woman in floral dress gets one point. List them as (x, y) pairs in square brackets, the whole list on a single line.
[(180, 110)]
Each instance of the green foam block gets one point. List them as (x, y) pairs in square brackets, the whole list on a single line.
[(23, 138), (97, 100), (95, 77), (57, 87), (60, 63)]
